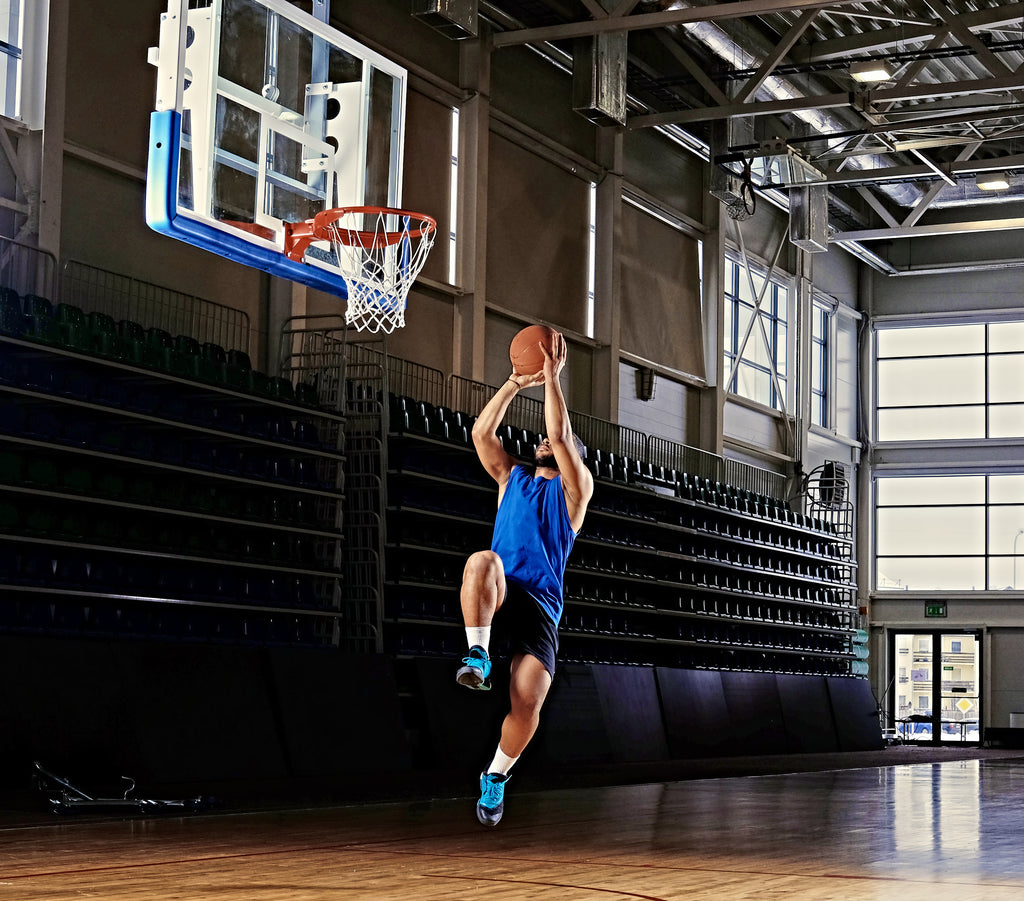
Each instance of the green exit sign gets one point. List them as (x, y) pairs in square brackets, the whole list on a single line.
[(937, 609)]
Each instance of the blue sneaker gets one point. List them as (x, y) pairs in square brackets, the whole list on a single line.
[(491, 805), (477, 670)]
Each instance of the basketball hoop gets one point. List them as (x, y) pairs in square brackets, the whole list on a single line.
[(379, 252)]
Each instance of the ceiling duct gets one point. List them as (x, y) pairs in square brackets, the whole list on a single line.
[(455, 19), (808, 218), (599, 78)]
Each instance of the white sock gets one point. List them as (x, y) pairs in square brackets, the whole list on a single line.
[(478, 635), (502, 763)]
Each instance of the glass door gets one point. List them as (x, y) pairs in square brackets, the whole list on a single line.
[(936, 682), (960, 687)]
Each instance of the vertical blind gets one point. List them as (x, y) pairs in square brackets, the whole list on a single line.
[(538, 237), (661, 304)]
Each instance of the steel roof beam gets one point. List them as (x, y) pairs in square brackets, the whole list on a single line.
[(778, 52), (887, 38), (933, 230), (830, 101), (741, 9)]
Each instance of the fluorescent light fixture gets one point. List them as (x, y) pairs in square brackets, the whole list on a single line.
[(992, 181), (871, 70)]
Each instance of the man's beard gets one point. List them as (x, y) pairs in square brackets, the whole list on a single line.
[(547, 461)]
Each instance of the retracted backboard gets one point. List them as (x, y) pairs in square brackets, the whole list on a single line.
[(265, 115)]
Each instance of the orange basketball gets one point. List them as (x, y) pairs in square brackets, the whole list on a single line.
[(524, 351)]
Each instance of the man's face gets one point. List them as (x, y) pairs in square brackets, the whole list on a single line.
[(544, 456)]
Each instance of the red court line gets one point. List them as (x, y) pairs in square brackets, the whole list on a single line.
[(585, 888), (364, 848)]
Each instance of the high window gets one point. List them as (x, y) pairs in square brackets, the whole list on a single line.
[(23, 25), (949, 532), (947, 382), (756, 334), (821, 370), (947, 520), (11, 53)]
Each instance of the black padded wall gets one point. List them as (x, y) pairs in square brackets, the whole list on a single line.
[(573, 728), (696, 713), (856, 714), (461, 726), (170, 713), (200, 712), (755, 713), (807, 713), (632, 712), (62, 703), (337, 714)]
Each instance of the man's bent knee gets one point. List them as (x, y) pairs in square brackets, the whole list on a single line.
[(484, 563)]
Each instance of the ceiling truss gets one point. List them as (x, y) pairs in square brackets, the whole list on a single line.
[(892, 154)]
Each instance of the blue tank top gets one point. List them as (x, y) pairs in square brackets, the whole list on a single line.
[(533, 537)]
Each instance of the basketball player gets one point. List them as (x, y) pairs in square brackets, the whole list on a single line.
[(518, 582)]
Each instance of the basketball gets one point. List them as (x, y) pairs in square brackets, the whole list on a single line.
[(524, 352)]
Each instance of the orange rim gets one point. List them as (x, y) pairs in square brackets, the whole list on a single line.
[(323, 221)]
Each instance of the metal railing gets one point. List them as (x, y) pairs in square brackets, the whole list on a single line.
[(422, 383), (682, 458), (27, 270), (753, 478), (415, 381), (610, 436), (152, 306)]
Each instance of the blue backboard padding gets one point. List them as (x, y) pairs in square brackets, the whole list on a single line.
[(162, 215)]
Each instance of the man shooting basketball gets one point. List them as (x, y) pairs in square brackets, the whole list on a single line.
[(518, 582)]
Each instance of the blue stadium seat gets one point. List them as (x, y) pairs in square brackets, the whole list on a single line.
[(12, 315), (40, 319)]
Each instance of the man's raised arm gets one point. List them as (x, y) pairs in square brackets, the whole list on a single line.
[(577, 481), (488, 446)]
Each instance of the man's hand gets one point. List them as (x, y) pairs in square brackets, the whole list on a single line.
[(527, 381), (554, 357)]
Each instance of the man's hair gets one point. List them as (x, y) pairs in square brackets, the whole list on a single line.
[(581, 448)]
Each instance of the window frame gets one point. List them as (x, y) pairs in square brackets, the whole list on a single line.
[(12, 58), (991, 549), (986, 355), (769, 312), (24, 100), (822, 393)]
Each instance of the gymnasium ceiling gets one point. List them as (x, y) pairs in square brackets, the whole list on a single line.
[(900, 157)]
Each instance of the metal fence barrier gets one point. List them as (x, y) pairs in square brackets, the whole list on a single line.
[(152, 306), (27, 270)]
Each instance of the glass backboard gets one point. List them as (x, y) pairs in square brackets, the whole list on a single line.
[(265, 115)]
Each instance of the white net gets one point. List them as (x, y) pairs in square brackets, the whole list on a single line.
[(379, 252)]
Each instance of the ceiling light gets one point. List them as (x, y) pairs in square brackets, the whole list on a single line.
[(992, 181), (871, 70)]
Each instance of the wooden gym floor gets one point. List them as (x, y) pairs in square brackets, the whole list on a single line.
[(907, 831)]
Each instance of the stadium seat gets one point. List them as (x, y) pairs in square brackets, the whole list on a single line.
[(40, 320), (12, 316), (72, 327)]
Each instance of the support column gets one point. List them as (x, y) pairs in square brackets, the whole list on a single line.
[(51, 176), (712, 401), (285, 299), (867, 437), (468, 355), (608, 277), (802, 356)]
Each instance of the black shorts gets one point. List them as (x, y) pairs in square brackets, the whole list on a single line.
[(526, 628)]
